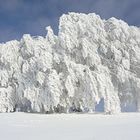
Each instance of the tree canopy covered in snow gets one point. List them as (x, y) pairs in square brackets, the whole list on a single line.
[(89, 62)]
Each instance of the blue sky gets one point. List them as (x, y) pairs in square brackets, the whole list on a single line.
[(18, 17)]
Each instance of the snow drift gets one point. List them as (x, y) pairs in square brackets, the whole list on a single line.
[(91, 64)]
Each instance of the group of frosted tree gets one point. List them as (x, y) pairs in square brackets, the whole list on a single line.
[(92, 63)]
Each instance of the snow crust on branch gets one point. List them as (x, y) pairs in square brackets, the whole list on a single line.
[(91, 60)]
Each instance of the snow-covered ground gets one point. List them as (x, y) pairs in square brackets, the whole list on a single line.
[(25, 126)]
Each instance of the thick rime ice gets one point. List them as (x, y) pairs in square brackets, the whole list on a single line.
[(92, 62)]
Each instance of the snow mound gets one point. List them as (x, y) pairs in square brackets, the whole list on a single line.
[(91, 64)]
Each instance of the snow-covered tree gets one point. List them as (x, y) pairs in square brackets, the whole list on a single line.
[(89, 61)]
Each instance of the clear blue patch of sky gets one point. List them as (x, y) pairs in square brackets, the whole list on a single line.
[(18, 17)]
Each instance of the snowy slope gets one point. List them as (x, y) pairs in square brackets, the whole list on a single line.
[(92, 65), (23, 126)]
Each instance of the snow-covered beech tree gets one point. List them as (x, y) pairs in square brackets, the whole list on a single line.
[(90, 61)]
